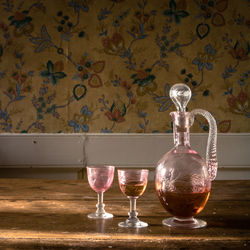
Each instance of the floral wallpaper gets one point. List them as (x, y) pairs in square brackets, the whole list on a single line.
[(107, 65)]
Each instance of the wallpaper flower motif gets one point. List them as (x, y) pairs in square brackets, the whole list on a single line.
[(107, 65)]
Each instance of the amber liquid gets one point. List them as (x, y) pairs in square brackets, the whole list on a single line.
[(133, 189), (183, 205)]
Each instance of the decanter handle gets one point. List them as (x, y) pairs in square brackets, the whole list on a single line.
[(211, 154)]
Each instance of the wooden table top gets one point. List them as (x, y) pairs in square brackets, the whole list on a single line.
[(52, 214)]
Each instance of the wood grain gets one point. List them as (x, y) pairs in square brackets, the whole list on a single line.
[(49, 214)]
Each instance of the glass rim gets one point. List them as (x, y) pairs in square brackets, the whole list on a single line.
[(133, 170), (100, 166)]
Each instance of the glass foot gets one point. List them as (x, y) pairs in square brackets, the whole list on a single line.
[(100, 216), (137, 224), (184, 223)]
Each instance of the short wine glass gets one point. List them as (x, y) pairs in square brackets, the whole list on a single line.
[(133, 183), (100, 179)]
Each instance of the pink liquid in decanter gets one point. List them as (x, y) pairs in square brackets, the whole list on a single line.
[(182, 182), (183, 205)]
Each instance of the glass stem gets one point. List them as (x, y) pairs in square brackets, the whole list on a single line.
[(132, 211), (100, 205)]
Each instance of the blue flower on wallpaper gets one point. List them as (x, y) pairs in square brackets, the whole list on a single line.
[(228, 72), (205, 59), (4, 115), (5, 124), (244, 77), (164, 100), (103, 14), (106, 131), (80, 120), (51, 75), (79, 5), (43, 42), (146, 121), (174, 13), (3, 74), (17, 96)]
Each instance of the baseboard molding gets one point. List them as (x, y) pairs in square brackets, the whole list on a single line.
[(45, 172), (42, 173), (128, 150)]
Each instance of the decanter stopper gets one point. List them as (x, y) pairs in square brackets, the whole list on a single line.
[(180, 94)]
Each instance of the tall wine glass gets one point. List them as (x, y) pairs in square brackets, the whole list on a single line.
[(100, 179), (133, 183)]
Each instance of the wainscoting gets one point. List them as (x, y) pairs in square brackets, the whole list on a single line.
[(64, 156)]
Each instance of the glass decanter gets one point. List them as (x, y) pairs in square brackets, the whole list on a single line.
[(183, 178)]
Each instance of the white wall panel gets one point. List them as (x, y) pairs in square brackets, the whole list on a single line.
[(124, 150), (40, 149)]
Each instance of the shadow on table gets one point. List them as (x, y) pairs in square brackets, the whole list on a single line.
[(79, 223)]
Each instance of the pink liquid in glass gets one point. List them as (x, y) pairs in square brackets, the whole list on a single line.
[(100, 177)]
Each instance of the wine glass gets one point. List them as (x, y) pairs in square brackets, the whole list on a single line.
[(133, 183), (100, 179)]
